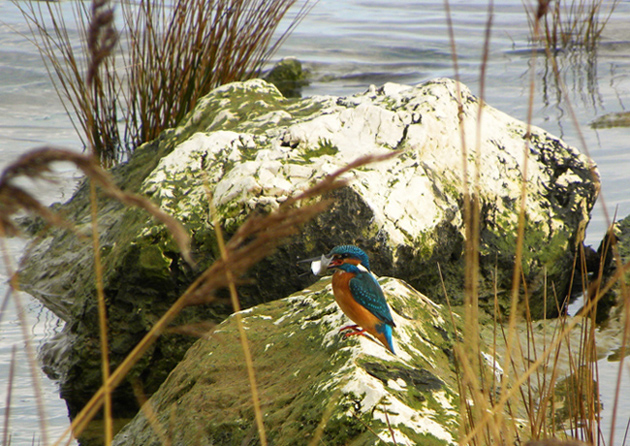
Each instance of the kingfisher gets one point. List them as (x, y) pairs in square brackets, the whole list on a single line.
[(357, 293)]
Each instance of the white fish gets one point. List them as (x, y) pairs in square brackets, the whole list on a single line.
[(320, 265)]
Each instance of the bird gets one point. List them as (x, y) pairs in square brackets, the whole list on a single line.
[(358, 294)]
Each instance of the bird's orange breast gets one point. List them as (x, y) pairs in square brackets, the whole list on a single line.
[(356, 312)]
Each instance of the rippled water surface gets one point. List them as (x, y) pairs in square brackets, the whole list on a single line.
[(348, 45)]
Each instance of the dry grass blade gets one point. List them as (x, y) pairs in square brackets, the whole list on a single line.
[(484, 420), (625, 342), (197, 330), (37, 165), (102, 38), (14, 199), (470, 371), (149, 413), (236, 306), (253, 241), (551, 348), (389, 427), (319, 431), (586, 414), (229, 41), (102, 319), (31, 358), (29, 350), (92, 105)]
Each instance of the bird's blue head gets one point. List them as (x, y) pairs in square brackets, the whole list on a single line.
[(348, 254)]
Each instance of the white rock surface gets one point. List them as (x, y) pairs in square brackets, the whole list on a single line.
[(275, 155)]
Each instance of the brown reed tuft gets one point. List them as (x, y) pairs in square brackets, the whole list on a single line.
[(163, 60), (569, 24), (520, 400)]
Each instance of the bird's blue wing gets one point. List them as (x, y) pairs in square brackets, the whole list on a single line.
[(368, 293)]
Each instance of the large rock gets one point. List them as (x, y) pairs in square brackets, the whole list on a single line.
[(309, 375), (252, 148)]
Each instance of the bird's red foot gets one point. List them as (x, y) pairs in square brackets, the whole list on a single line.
[(360, 332), (348, 327)]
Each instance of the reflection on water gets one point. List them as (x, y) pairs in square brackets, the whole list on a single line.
[(348, 45), (574, 73)]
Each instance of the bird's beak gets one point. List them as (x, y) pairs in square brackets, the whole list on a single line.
[(318, 264)]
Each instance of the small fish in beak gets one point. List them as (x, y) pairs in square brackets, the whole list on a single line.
[(320, 265)]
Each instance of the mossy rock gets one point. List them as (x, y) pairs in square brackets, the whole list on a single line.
[(310, 377), (288, 77)]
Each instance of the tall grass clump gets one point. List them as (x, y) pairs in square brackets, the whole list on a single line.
[(167, 54), (534, 382), (570, 24)]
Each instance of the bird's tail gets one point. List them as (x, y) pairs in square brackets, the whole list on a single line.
[(385, 336)]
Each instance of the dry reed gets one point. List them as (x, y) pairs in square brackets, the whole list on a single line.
[(167, 57), (13, 199), (36, 165), (7, 401)]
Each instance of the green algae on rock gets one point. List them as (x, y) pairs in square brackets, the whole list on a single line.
[(610, 120)]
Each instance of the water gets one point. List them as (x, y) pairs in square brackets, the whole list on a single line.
[(608, 371), (348, 45), (24, 425), (30, 116)]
